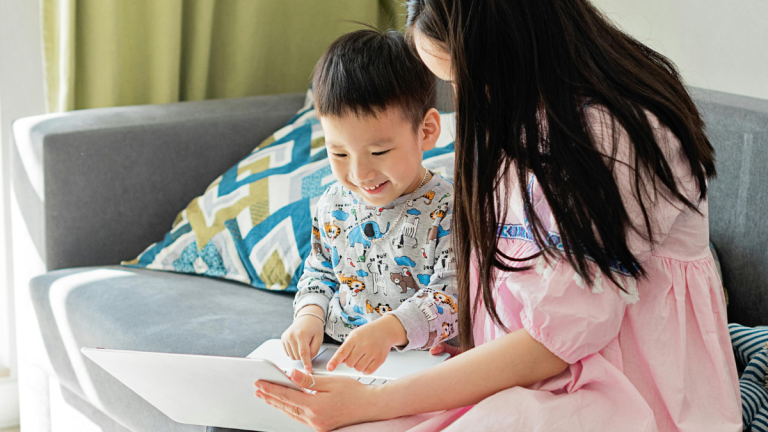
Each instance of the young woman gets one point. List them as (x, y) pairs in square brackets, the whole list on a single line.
[(589, 299)]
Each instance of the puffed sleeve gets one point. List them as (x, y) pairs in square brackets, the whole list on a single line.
[(570, 319)]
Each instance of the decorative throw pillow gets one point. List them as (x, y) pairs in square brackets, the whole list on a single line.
[(253, 224), (751, 347)]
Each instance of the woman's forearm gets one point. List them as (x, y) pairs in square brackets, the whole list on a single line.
[(512, 360)]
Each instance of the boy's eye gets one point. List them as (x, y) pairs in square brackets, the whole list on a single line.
[(340, 155), (381, 153)]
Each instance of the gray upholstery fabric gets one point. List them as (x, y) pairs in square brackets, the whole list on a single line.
[(738, 200), (122, 308), (98, 418), (115, 178)]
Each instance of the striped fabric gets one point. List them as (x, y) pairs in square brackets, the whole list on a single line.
[(751, 347)]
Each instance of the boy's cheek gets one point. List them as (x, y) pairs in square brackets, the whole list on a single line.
[(338, 173)]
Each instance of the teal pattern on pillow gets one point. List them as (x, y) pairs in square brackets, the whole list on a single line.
[(253, 224), (751, 347)]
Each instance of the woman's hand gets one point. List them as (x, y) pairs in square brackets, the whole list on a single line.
[(367, 347), (443, 347), (338, 401), (302, 340)]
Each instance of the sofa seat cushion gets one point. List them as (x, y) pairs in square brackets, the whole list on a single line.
[(123, 308)]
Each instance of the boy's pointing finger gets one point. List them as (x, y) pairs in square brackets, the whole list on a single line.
[(339, 357), (306, 359)]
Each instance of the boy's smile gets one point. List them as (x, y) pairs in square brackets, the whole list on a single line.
[(379, 158)]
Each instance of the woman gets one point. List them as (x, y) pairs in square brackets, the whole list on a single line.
[(589, 299)]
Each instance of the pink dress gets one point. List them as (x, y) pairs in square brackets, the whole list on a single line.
[(656, 358)]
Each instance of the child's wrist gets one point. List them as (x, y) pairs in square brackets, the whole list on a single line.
[(315, 317), (310, 308), (310, 312), (394, 331)]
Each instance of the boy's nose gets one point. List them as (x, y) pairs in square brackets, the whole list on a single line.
[(363, 173)]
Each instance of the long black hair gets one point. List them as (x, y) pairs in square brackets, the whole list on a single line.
[(522, 70)]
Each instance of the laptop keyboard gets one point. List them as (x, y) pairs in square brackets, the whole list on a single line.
[(371, 381)]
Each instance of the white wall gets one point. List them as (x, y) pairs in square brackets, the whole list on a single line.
[(21, 95), (716, 44)]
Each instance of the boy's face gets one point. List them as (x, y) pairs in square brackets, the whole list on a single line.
[(379, 157)]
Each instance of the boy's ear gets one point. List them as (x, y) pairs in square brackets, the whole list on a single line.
[(430, 129)]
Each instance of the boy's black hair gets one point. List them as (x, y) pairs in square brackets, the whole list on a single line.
[(368, 71)]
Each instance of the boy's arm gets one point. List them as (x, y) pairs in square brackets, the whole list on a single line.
[(318, 283), (430, 316)]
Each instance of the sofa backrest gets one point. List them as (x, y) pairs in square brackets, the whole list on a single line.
[(107, 219), (738, 198)]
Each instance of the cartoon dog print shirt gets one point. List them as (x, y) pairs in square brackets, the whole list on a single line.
[(409, 273)]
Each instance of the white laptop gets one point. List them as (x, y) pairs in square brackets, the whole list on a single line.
[(219, 391)]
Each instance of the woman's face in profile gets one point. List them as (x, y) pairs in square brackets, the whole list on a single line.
[(436, 59)]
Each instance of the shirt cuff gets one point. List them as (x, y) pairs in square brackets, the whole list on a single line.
[(415, 324), (311, 299)]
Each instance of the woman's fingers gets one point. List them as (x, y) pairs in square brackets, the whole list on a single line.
[(437, 349), (304, 380), (282, 406), (452, 350), (443, 347), (283, 394), (301, 379)]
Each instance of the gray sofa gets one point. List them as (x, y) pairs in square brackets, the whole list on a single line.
[(97, 186)]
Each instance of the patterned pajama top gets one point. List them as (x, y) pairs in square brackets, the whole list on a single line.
[(409, 273)]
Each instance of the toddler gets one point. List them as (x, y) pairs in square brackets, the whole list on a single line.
[(380, 272)]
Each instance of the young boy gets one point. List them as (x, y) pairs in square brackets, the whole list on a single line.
[(380, 272)]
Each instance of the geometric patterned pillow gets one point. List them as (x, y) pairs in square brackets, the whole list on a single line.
[(253, 224)]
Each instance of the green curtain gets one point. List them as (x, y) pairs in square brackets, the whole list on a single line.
[(102, 53)]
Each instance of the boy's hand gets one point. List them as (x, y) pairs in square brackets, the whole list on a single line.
[(303, 338), (366, 348)]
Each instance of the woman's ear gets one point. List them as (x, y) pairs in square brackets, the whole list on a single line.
[(429, 130)]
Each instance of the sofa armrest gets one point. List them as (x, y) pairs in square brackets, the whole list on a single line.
[(98, 186)]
